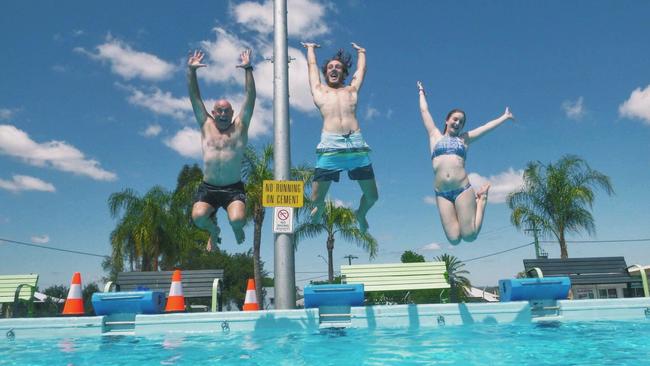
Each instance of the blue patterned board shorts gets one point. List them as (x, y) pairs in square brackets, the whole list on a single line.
[(338, 152)]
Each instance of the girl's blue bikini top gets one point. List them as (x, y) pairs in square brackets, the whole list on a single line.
[(449, 145)]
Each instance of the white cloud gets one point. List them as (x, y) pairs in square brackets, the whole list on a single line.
[(186, 142), (59, 68), (26, 183), (429, 200), (160, 102), (40, 239), (129, 63), (222, 58), (432, 246), (305, 18), (5, 114), (340, 203), (57, 154), (574, 109), (500, 185), (371, 113), (637, 106), (152, 131)]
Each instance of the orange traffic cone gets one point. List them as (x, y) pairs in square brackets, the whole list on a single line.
[(74, 304), (176, 300), (250, 302)]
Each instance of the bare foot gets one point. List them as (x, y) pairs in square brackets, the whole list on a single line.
[(215, 239), (482, 193), (363, 223), (317, 214), (239, 236)]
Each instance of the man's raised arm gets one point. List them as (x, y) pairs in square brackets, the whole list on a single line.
[(194, 63), (249, 86), (357, 78), (312, 65)]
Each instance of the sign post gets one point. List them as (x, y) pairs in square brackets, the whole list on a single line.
[(283, 196)]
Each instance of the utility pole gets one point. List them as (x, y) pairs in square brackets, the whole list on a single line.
[(350, 257), (284, 261), (535, 230)]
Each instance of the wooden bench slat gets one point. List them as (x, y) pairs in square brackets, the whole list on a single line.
[(9, 284), (397, 276), (196, 283)]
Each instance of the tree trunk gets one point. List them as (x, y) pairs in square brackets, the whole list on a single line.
[(330, 261), (563, 249), (257, 241)]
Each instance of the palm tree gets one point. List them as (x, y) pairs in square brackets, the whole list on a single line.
[(257, 168), (337, 220), (146, 231), (456, 276), (555, 197)]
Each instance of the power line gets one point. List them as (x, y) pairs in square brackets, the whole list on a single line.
[(55, 249), (554, 241), (501, 252), (311, 278), (597, 241)]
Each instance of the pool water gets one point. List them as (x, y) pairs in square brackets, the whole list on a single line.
[(578, 343)]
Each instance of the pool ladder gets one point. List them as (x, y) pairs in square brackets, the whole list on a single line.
[(545, 310), (334, 316), (119, 324)]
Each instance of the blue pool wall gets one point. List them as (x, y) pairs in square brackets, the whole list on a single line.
[(369, 317)]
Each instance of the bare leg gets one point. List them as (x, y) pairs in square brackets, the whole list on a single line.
[(368, 199), (470, 208), (481, 204), (449, 220), (318, 193), (236, 215), (201, 215)]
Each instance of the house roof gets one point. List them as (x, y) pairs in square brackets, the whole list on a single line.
[(584, 271)]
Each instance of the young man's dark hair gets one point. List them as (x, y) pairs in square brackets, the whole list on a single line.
[(344, 58)]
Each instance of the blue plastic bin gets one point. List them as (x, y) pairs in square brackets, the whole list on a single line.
[(547, 288), (333, 295), (133, 302)]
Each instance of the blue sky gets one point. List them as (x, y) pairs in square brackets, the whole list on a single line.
[(93, 100)]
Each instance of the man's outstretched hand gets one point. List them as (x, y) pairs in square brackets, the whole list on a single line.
[(245, 59), (194, 61)]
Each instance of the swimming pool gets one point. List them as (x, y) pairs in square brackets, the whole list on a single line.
[(585, 332), (576, 343)]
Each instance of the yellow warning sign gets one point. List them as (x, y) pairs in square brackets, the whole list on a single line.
[(282, 193)]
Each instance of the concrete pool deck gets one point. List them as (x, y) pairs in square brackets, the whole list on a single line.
[(366, 317)]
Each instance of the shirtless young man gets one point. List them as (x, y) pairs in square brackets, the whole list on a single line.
[(341, 147), (223, 141)]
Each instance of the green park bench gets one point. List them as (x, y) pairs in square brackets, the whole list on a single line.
[(397, 276), (15, 289), (201, 283)]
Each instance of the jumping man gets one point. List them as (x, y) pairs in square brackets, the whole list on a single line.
[(223, 141), (341, 147)]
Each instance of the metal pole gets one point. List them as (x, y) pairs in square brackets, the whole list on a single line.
[(285, 273), (535, 230)]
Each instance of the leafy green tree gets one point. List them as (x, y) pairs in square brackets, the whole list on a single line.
[(258, 168), (87, 294), (238, 268), (412, 257), (337, 221), (146, 228), (556, 198), (456, 275)]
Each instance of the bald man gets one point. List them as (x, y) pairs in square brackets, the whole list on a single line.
[(223, 141)]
